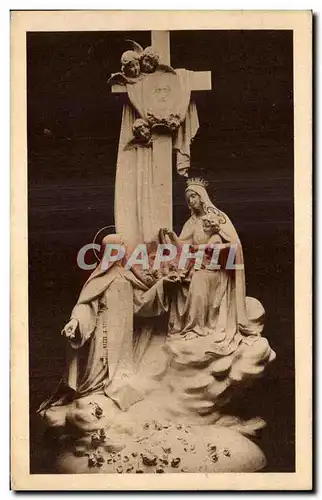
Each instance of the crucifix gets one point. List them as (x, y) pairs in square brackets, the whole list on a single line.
[(162, 144)]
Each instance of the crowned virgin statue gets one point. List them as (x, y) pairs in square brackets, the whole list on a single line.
[(213, 302)]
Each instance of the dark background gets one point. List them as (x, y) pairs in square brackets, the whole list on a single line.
[(244, 148)]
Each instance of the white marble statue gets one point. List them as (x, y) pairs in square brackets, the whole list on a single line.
[(156, 353), (120, 378), (213, 303)]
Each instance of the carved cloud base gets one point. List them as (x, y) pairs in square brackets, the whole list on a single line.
[(181, 424)]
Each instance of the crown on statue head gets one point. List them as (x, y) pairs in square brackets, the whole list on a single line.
[(197, 181)]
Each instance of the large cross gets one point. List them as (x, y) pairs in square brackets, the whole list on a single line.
[(162, 144)]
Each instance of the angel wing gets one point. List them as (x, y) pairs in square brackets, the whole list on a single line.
[(135, 46), (166, 68), (119, 78)]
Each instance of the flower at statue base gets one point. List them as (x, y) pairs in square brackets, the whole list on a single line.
[(130, 64), (102, 434), (99, 458), (141, 130), (92, 462), (149, 60), (149, 459), (156, 425), (164, 459), (97, 410), (98, 437), (96, 459), (175, 462), (86, 416)]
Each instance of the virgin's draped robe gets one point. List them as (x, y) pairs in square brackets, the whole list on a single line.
[(213, 304)]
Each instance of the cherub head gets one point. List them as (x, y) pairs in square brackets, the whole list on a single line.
[(141, 130), (173, 122), (130, 64), (210, 223), (85, 415), (149, 60)]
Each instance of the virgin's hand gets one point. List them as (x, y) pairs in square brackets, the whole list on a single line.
[(70, 328)]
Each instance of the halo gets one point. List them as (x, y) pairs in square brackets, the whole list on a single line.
[(96, 236)]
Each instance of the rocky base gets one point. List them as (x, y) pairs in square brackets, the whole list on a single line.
[(144, 441), (180, 425)]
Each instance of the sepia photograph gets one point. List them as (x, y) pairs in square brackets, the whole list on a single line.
[(161, 209)]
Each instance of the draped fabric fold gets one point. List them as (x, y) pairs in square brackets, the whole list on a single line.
[(184, 137), (136, 206), (188, 127)]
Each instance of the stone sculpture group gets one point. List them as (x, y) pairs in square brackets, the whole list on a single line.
[(156, 356)]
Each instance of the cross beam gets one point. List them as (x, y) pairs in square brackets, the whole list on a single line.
[(160, 40), (200, 80)]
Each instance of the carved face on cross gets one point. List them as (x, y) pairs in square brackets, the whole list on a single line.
[(162, 92)]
